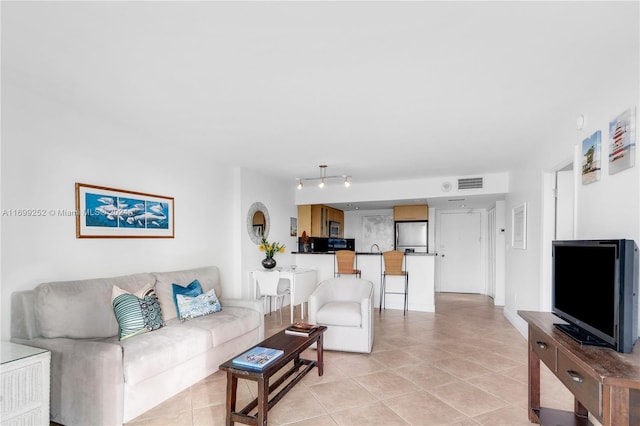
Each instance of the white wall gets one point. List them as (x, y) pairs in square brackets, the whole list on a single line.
[(494, 183), (41, 163), (278, 197), (608, 208)]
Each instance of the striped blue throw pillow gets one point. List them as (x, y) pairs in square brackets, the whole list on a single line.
[(136, 315)]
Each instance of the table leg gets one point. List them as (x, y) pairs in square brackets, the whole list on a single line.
[(382, 290), (232, 387), (263, 401), (619, 406), (319, 352), (579, 409), (293, 297)]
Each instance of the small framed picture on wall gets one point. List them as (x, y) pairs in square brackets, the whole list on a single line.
[(622, 141), (519, 227)]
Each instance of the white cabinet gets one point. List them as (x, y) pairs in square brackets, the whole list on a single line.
[(371, 267), (24, 385)]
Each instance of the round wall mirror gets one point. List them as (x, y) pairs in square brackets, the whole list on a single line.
[(258, 222)]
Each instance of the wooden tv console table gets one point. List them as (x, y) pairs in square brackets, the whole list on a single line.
[(604, 382)]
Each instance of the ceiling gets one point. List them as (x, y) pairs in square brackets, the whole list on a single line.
[(375, 90)]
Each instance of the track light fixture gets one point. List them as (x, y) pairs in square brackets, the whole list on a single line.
[(324, 178)]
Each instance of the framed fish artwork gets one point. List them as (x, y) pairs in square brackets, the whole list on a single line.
[(103, 212), (622, 141)]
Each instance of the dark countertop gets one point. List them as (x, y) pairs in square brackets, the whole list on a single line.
[(362, 253), (313, 252)]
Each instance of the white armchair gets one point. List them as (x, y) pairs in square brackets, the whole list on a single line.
[(345, 306)]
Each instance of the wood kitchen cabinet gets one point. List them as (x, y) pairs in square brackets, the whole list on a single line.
[(414, 212), (304, 219), (315, 219)]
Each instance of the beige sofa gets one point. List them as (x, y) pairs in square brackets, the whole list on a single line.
[(345, 306), (96, 379)]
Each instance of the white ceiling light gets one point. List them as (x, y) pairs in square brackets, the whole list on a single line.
[(323, 178)]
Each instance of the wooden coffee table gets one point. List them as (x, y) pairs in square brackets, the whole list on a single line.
[(292, 346)]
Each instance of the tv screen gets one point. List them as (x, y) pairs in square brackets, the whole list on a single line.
[(594, 289), (585, 286)]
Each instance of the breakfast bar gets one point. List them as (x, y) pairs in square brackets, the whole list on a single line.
[(420, 266)]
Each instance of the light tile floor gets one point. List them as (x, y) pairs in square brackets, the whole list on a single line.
[(463, 365)]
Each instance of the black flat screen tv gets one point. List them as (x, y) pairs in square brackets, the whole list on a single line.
[(595, 290)]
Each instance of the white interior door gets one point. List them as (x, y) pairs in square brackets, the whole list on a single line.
[(558, 217), (491, 267), (564, 205), (459, 252)]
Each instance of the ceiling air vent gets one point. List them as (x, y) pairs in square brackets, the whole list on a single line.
[(470, 183)]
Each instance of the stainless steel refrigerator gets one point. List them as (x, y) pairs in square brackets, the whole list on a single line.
[(412, 236)]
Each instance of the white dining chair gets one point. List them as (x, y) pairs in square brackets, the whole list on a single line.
[(270, 285)]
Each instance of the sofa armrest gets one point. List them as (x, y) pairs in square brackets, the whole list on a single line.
[(366, 292), (317, 300), (366, 306), (23, 318), (253, 304), (87, 380), (320, 296)]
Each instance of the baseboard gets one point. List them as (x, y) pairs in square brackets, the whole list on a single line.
[(520, 324), (422, 308)]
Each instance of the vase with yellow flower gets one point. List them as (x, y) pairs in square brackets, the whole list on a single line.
[(270, 249)]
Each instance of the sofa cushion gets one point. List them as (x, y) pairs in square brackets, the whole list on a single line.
[(340, 313), (87, 311), (208, 277), (194, 289), (150, 354), (193, 307), (137, 315), (227, 324)]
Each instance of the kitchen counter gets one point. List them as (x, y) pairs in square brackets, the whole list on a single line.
[(421, 268), (313, 252), (362, 253)]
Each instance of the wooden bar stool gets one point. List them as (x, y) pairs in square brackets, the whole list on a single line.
[(393, 266), (345, 259)]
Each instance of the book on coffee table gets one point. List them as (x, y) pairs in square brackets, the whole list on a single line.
[(258, 357), (300, 329)]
